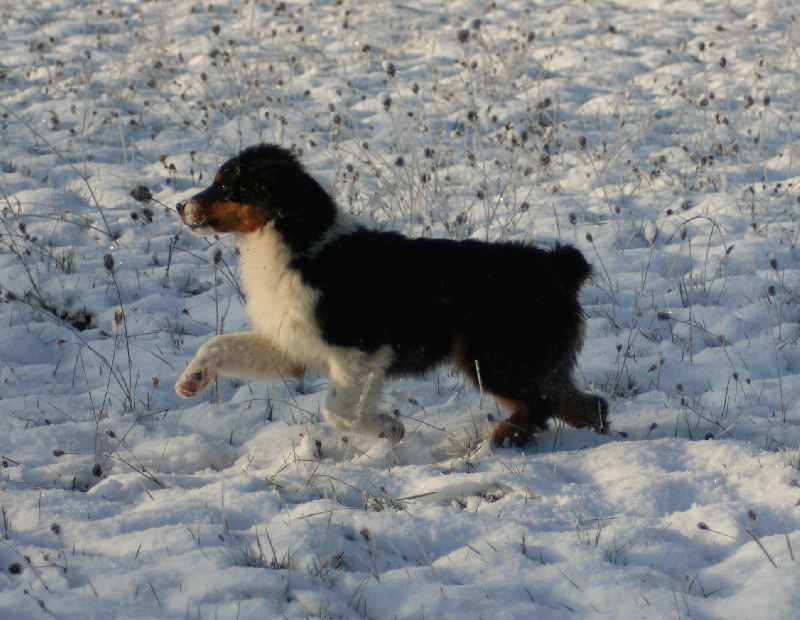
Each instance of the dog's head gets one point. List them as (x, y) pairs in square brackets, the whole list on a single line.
[(263, 185)]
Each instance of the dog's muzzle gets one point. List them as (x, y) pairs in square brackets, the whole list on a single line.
[(183, 213)]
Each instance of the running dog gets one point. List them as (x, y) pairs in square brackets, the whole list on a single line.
[(326, 293)]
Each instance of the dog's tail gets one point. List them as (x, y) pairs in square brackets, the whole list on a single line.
[(572, 266)]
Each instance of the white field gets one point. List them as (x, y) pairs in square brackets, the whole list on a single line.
[(659, 137)]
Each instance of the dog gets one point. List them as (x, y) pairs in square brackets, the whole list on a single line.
[(326, 293)]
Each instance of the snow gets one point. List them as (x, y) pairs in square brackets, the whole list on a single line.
[(659, 137)]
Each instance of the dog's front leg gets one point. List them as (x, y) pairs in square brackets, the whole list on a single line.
[(354, 389), (245, 356)]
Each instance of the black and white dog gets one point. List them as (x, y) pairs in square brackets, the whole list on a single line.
[(325, 293)]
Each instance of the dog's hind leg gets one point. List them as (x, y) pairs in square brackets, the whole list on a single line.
[(245, 356), (351, 402), (582, 410), (563, 401)]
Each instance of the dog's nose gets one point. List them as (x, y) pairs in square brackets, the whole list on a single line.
[(180, 206)]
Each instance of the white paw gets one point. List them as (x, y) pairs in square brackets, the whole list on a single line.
[(392, 427), (194, 380)]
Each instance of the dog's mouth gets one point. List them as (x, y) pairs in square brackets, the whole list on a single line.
[(198, 228), (190, 225), (185, 222)]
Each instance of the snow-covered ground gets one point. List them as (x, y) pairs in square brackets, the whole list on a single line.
[(659, 137)]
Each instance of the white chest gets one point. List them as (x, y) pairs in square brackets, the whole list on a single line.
[(279, 304)]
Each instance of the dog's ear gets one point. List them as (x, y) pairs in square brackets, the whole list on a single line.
[(231, 171)]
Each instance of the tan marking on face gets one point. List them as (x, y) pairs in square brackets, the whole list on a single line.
[(232, 217)]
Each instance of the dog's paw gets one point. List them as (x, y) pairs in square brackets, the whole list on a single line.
[(392, 427), (193, 382), (508, 435)]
